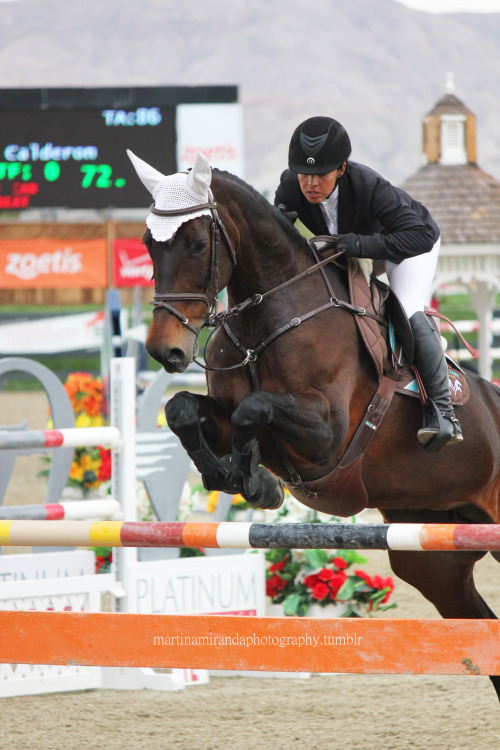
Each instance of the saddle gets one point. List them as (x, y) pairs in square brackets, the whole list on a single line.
[(390, 347)]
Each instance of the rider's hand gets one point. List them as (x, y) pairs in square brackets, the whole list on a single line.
[(349, 245), (291, 215)]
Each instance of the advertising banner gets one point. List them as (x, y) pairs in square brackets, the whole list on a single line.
[(216, 131), (53, 264), (218, 584), (65, 333), (132, 264)]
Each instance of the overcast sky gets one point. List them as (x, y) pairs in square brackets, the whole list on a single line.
[(439, 6), (450, 6)]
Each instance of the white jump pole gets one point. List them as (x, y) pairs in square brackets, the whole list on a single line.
[(123, 482)]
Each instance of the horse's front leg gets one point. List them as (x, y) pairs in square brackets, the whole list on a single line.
[(303, 422), (194, 419), (257, 484)]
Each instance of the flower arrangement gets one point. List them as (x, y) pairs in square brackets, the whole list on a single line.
[(298, 579), (237, 503), (91, 466)]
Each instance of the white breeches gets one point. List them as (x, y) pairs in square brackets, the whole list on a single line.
[(412, 278)]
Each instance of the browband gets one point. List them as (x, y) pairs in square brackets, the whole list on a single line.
[(180, 211)]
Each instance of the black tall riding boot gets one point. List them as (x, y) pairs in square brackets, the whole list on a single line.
[(440, 426)]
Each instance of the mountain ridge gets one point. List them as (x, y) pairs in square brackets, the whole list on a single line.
[(375, 65)]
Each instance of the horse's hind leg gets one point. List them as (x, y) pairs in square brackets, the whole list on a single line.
[(446, 580), (185, 413)]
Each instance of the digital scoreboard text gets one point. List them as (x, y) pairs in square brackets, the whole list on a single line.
[(77, 158)]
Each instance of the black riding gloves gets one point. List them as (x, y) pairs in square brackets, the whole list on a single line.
[(291, 215), (349, 245)]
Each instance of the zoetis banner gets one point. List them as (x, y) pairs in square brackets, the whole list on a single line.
[(132, 264), (52, 264)]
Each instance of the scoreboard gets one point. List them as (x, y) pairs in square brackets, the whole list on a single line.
[(66, 148)]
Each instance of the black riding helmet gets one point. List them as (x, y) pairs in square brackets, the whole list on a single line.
[(319, 145)]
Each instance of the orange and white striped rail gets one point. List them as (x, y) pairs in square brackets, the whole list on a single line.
[(397, 536)]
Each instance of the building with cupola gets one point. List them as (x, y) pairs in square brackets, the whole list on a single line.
[(465, 202)]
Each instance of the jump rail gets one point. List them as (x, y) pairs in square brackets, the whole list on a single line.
[(397, 536), (71, 510), (289, 644), (71, 437)]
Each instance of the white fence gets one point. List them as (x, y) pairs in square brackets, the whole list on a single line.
[(65, 580)]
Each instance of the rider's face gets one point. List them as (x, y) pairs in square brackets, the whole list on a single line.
[(317, 187)]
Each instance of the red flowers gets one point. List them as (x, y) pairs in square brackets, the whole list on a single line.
[(274, 585), (320, 591), (278, 566), (297, 579), (326, 583), (384, 583), (379, 584), (104, 471), (365, 577)]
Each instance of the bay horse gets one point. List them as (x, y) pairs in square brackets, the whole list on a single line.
[(289, 380)]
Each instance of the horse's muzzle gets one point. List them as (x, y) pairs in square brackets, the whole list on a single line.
[(173, 356)]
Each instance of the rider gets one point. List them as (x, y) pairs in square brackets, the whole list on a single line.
[(373, 219)]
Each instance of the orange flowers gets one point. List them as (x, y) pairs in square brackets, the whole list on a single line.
[(91, 466), (85, 393)]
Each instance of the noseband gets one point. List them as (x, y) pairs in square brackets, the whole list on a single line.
[(216, 227)]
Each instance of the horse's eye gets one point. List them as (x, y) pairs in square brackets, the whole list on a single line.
[(197, 247)]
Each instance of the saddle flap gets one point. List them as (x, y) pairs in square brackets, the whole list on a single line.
[(373, 299)]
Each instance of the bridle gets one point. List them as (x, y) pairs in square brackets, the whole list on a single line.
[(216, 228), (214, 320)]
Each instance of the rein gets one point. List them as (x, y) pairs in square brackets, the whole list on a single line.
[(216, 320)]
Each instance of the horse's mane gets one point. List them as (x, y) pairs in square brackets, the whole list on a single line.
[(285, 224)]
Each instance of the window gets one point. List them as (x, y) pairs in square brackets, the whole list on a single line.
[(453, 139)]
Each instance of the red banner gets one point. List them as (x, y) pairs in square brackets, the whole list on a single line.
[(132, 264), (53, 264)]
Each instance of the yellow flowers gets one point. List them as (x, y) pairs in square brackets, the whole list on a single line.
[(85, 420), (213, 499)]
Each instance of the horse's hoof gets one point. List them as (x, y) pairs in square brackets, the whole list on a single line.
[(271, 494)]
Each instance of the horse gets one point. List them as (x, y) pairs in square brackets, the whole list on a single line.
[(289, 380)]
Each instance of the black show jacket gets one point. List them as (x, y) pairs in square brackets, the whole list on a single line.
[(390, 224)]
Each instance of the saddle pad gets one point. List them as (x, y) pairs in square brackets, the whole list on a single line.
[(459, 387)]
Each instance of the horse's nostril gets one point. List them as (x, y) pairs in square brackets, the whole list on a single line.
[(176, 355)]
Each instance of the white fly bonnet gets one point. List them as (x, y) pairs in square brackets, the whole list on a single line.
[(173, 192)]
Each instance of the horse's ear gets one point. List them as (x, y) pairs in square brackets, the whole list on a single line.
[(148, 175), (200, 177)]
